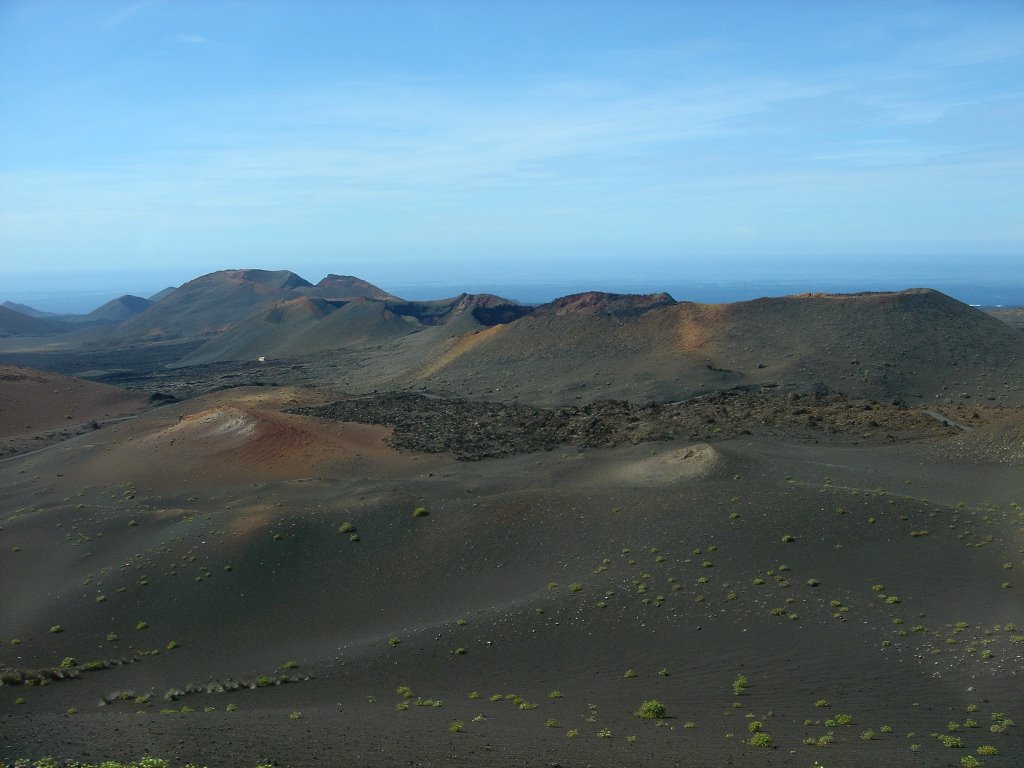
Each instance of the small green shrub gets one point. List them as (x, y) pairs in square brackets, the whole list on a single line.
[(760, 739), (651, 710), (422, 512)]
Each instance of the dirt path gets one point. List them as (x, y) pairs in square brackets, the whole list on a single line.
[(946, 420)]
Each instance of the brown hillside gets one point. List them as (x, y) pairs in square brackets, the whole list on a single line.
[(212, 303), (917, 344), (310, 326), (304, 326)]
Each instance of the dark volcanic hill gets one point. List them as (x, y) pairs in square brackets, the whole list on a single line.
[(25, 309), (346, 287), (114, 311), (912, 344), (13, 323), (213, 302), (609, 304), (118, 310)]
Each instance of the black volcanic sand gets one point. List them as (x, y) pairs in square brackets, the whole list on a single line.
[(881, 578)]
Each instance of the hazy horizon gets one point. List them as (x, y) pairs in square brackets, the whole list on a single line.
[(721, 281)]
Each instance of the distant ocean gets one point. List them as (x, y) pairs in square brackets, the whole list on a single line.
[(82, 296)]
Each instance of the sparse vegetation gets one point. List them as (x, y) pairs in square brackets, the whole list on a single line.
[(760, 739), (651, 710)]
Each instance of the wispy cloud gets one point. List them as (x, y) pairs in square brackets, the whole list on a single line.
[(192, 39), (127, 12)]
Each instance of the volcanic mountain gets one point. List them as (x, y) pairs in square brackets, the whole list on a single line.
[(309, 326), (916, 344), (212, 303), (345, 287), (118, 310)]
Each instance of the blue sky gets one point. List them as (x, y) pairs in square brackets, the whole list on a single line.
[(504, 140)]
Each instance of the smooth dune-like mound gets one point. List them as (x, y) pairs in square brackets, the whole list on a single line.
[(35, 401)]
